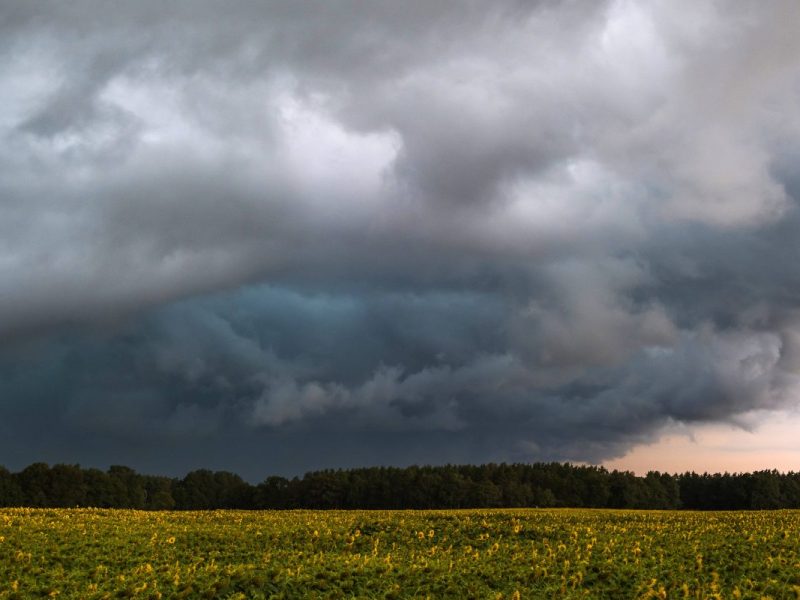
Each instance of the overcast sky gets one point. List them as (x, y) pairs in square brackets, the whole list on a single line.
[(269, 238)]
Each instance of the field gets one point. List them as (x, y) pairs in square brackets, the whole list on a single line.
[(87, 553)]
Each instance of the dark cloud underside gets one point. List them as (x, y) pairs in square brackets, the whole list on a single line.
[(282, 236)]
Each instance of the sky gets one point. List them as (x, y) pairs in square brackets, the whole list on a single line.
[(276, 237)]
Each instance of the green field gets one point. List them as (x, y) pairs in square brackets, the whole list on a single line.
[(85, 553)]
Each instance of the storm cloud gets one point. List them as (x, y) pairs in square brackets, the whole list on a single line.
[(284, 236)]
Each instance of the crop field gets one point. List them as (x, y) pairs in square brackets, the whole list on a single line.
[(87, 553)]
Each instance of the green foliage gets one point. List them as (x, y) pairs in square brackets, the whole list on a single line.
[(512, 553), (541, 485), (10, 492)]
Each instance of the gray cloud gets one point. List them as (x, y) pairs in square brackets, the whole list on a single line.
[(392, 233)]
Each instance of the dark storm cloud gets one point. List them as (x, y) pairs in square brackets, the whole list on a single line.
[(283, 236)]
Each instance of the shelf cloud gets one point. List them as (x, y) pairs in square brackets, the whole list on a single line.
[(277, 237)]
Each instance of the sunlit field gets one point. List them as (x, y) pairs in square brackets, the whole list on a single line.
[(86, 553)]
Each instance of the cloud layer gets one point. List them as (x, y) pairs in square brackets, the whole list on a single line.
[(276, 238)]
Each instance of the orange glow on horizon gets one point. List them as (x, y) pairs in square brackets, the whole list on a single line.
[(772, 444)]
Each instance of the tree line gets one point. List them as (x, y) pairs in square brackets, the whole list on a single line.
[(450, 486)]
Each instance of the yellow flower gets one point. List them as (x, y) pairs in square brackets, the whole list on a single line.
[(171, 540)]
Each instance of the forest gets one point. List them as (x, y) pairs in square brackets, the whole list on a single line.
[(416, 487)]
